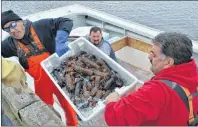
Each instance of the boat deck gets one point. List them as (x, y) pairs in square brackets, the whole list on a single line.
[(137, 72)]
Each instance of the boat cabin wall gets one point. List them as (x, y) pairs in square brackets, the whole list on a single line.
[(78, 20), (85, 20), (107, 26)]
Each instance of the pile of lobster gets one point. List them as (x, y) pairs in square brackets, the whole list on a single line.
[(87, 79)]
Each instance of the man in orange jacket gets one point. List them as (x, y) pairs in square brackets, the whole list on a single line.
[(33, 42), (156, 103)]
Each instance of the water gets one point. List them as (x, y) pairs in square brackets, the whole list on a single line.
[(181, 16)]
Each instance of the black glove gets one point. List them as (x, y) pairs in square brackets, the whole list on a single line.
[(23, 59)]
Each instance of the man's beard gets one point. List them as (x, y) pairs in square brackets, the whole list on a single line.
[(151, 68), (98, 42)]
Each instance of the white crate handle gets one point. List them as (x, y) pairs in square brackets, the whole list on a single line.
[(121, 90)]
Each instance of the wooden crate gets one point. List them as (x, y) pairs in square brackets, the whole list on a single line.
[(131, 42)]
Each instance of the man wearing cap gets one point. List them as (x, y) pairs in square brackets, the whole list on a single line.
[(33, 42)]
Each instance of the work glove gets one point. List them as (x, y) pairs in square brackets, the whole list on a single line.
[(61, 46), (22, 59), (15, 77)]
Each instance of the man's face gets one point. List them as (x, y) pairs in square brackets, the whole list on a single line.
[(16, 29), (156, 58), (96, 37)]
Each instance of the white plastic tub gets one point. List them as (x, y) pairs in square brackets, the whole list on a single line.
[(81, 44)]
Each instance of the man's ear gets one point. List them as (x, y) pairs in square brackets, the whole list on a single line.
[(169, 62)]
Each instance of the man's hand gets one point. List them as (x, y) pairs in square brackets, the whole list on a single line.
[(112, 97), (61, 38), (16, 78)]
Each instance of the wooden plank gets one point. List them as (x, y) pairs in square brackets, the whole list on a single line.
[(119, 44), (131, 42), (140, 45)]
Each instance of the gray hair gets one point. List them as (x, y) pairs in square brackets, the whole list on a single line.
[(175, 45)]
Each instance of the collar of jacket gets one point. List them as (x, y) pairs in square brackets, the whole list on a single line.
[(184, 74), (27, 39)]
